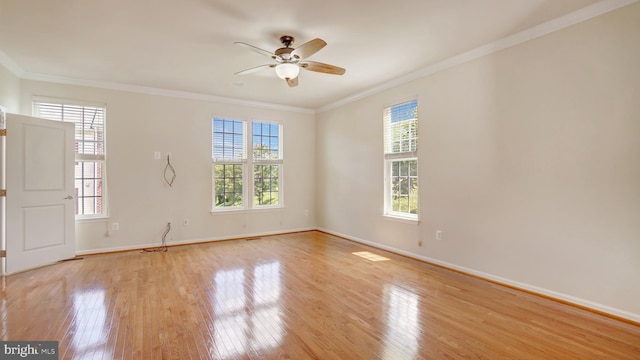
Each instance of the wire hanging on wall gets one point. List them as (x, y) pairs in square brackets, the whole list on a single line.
[(170, 168)]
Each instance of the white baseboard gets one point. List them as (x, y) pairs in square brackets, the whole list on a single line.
[(501, 280), (187, 241)]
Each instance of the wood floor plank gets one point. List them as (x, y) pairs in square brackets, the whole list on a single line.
[(296, 296)]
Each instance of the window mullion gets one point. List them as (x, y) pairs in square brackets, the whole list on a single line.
[(249, 195)]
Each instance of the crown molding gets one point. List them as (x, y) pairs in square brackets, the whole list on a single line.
[(8, 63), (20, 73), (586, 13), (163, 92)]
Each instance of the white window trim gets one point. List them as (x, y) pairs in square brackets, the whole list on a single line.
[(389, 158), (279, 161), (247, 169), (387, 190), (402, 219)]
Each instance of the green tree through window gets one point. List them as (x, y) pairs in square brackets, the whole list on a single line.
[(231, 171), (401, 159)]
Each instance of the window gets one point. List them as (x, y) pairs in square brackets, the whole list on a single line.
[(229, 159), (232, 187), (401, 160), (266, 163), (90, 164)]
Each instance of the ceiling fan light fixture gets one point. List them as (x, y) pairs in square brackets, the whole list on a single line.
[(287, 71)]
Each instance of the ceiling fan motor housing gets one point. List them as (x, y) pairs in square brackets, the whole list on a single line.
[(284, 53)]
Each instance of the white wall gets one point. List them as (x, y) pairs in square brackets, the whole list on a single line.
[(141, 202), (529, 163), (9, 90)]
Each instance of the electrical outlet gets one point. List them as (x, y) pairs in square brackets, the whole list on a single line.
[(185, 222), (115, 226), (438, 234), (420, 243), (157, 155)]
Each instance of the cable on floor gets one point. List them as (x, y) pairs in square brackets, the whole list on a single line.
[(163, 247)]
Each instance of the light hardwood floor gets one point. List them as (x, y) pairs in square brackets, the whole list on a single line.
[(294, 296)]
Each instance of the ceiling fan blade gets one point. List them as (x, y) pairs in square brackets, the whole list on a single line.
[(323, 68), (253, 69), (309, 48), (256, 49), (292, 82)]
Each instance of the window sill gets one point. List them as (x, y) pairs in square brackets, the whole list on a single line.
[(244, 211), (411, 221), (92, 219)]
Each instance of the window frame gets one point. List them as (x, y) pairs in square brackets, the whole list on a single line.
[(273, 161), (249, 162), (400, 154), (36, 103), (234, 160)]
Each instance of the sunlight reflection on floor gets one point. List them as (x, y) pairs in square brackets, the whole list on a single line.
[(248, 314)]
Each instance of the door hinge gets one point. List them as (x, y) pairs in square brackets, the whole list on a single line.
[(3, 253), (3, 192), (3, 132)]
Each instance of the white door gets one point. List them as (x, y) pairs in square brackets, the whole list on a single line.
[(40, 213)]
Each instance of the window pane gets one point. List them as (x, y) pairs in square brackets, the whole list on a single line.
[(404, 204), (88, 120), (228, 185), (227, 125), (88, 187), (265, 184), (266, 141), (228, 139), (404, 186), (406, 111), (413, 204), (401, 128), (413, 168), (404, 168)]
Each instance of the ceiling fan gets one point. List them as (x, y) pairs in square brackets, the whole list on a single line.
[(290, 60)]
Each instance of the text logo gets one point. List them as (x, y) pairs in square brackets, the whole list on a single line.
[(32, 350)]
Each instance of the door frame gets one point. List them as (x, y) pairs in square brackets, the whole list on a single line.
[(3, 186)]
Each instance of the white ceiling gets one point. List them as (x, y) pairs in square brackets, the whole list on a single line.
[(187, 45)]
